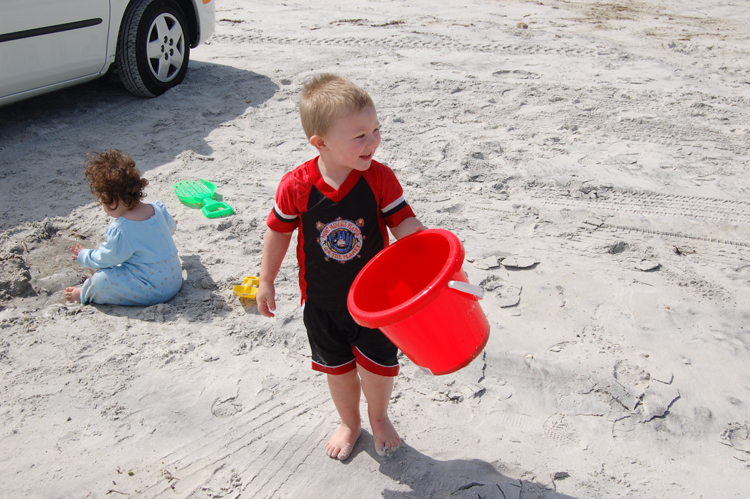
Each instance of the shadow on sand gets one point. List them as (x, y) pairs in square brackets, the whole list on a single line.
[(44, 140), (455, 479), (197, 300)]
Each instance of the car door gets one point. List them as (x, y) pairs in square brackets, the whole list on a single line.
[(44, 42)]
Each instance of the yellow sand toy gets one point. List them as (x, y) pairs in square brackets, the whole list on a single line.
[(249, 289)]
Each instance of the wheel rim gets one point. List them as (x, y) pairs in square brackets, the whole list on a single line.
[(166, 47)]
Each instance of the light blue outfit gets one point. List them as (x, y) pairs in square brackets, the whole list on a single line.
[(136, 265)]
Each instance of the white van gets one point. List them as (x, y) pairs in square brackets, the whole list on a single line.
[(46, 45)]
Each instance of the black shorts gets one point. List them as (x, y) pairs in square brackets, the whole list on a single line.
[(338, 344)]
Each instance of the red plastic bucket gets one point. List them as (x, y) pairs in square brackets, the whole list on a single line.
[(416, 292)]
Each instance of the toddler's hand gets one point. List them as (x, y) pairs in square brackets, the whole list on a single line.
[(266, 299), (75, 249)]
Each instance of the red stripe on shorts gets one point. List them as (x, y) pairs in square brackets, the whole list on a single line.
[(342, 369), (373, 366)]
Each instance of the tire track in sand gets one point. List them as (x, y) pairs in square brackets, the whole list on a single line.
[(612, 200), (252, 453), (423, 41), (639, 216)]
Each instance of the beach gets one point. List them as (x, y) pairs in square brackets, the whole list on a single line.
[(591, 157)]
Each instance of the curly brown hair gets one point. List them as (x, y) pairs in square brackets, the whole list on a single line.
[(113, 178)]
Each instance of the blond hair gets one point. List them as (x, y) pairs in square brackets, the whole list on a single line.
[(327, 97)]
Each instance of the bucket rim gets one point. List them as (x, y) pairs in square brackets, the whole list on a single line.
[(419, 301)]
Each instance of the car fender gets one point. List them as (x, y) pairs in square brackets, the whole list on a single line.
[(206, 10), (117, 11)]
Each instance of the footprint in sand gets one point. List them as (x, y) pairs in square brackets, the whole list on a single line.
[(559, 428), (737, 435), (508, 294), (223, 408), (631, 375)]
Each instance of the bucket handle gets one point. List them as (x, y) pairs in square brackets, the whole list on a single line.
[(465, 287)]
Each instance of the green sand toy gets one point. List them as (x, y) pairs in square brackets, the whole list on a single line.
[(199, 194)]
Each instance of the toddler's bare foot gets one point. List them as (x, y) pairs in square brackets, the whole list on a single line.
[(385, 435), (73, 294), (342, 442)]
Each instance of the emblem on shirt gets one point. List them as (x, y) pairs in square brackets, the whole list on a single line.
[(341, 240)]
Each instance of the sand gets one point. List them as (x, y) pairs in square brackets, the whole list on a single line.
[(592, 158)]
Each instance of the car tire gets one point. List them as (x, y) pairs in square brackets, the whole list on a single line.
[(153, 48)]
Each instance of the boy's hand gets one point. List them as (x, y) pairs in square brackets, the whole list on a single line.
[(75, 249), (406, 227), (266, 299)]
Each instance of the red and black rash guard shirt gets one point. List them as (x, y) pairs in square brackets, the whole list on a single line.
[(339, 230)]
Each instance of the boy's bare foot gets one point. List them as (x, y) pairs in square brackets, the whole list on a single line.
[(385, 435), (342, 442), (73, 294)]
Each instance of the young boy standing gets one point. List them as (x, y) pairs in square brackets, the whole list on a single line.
[(341, 203)]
